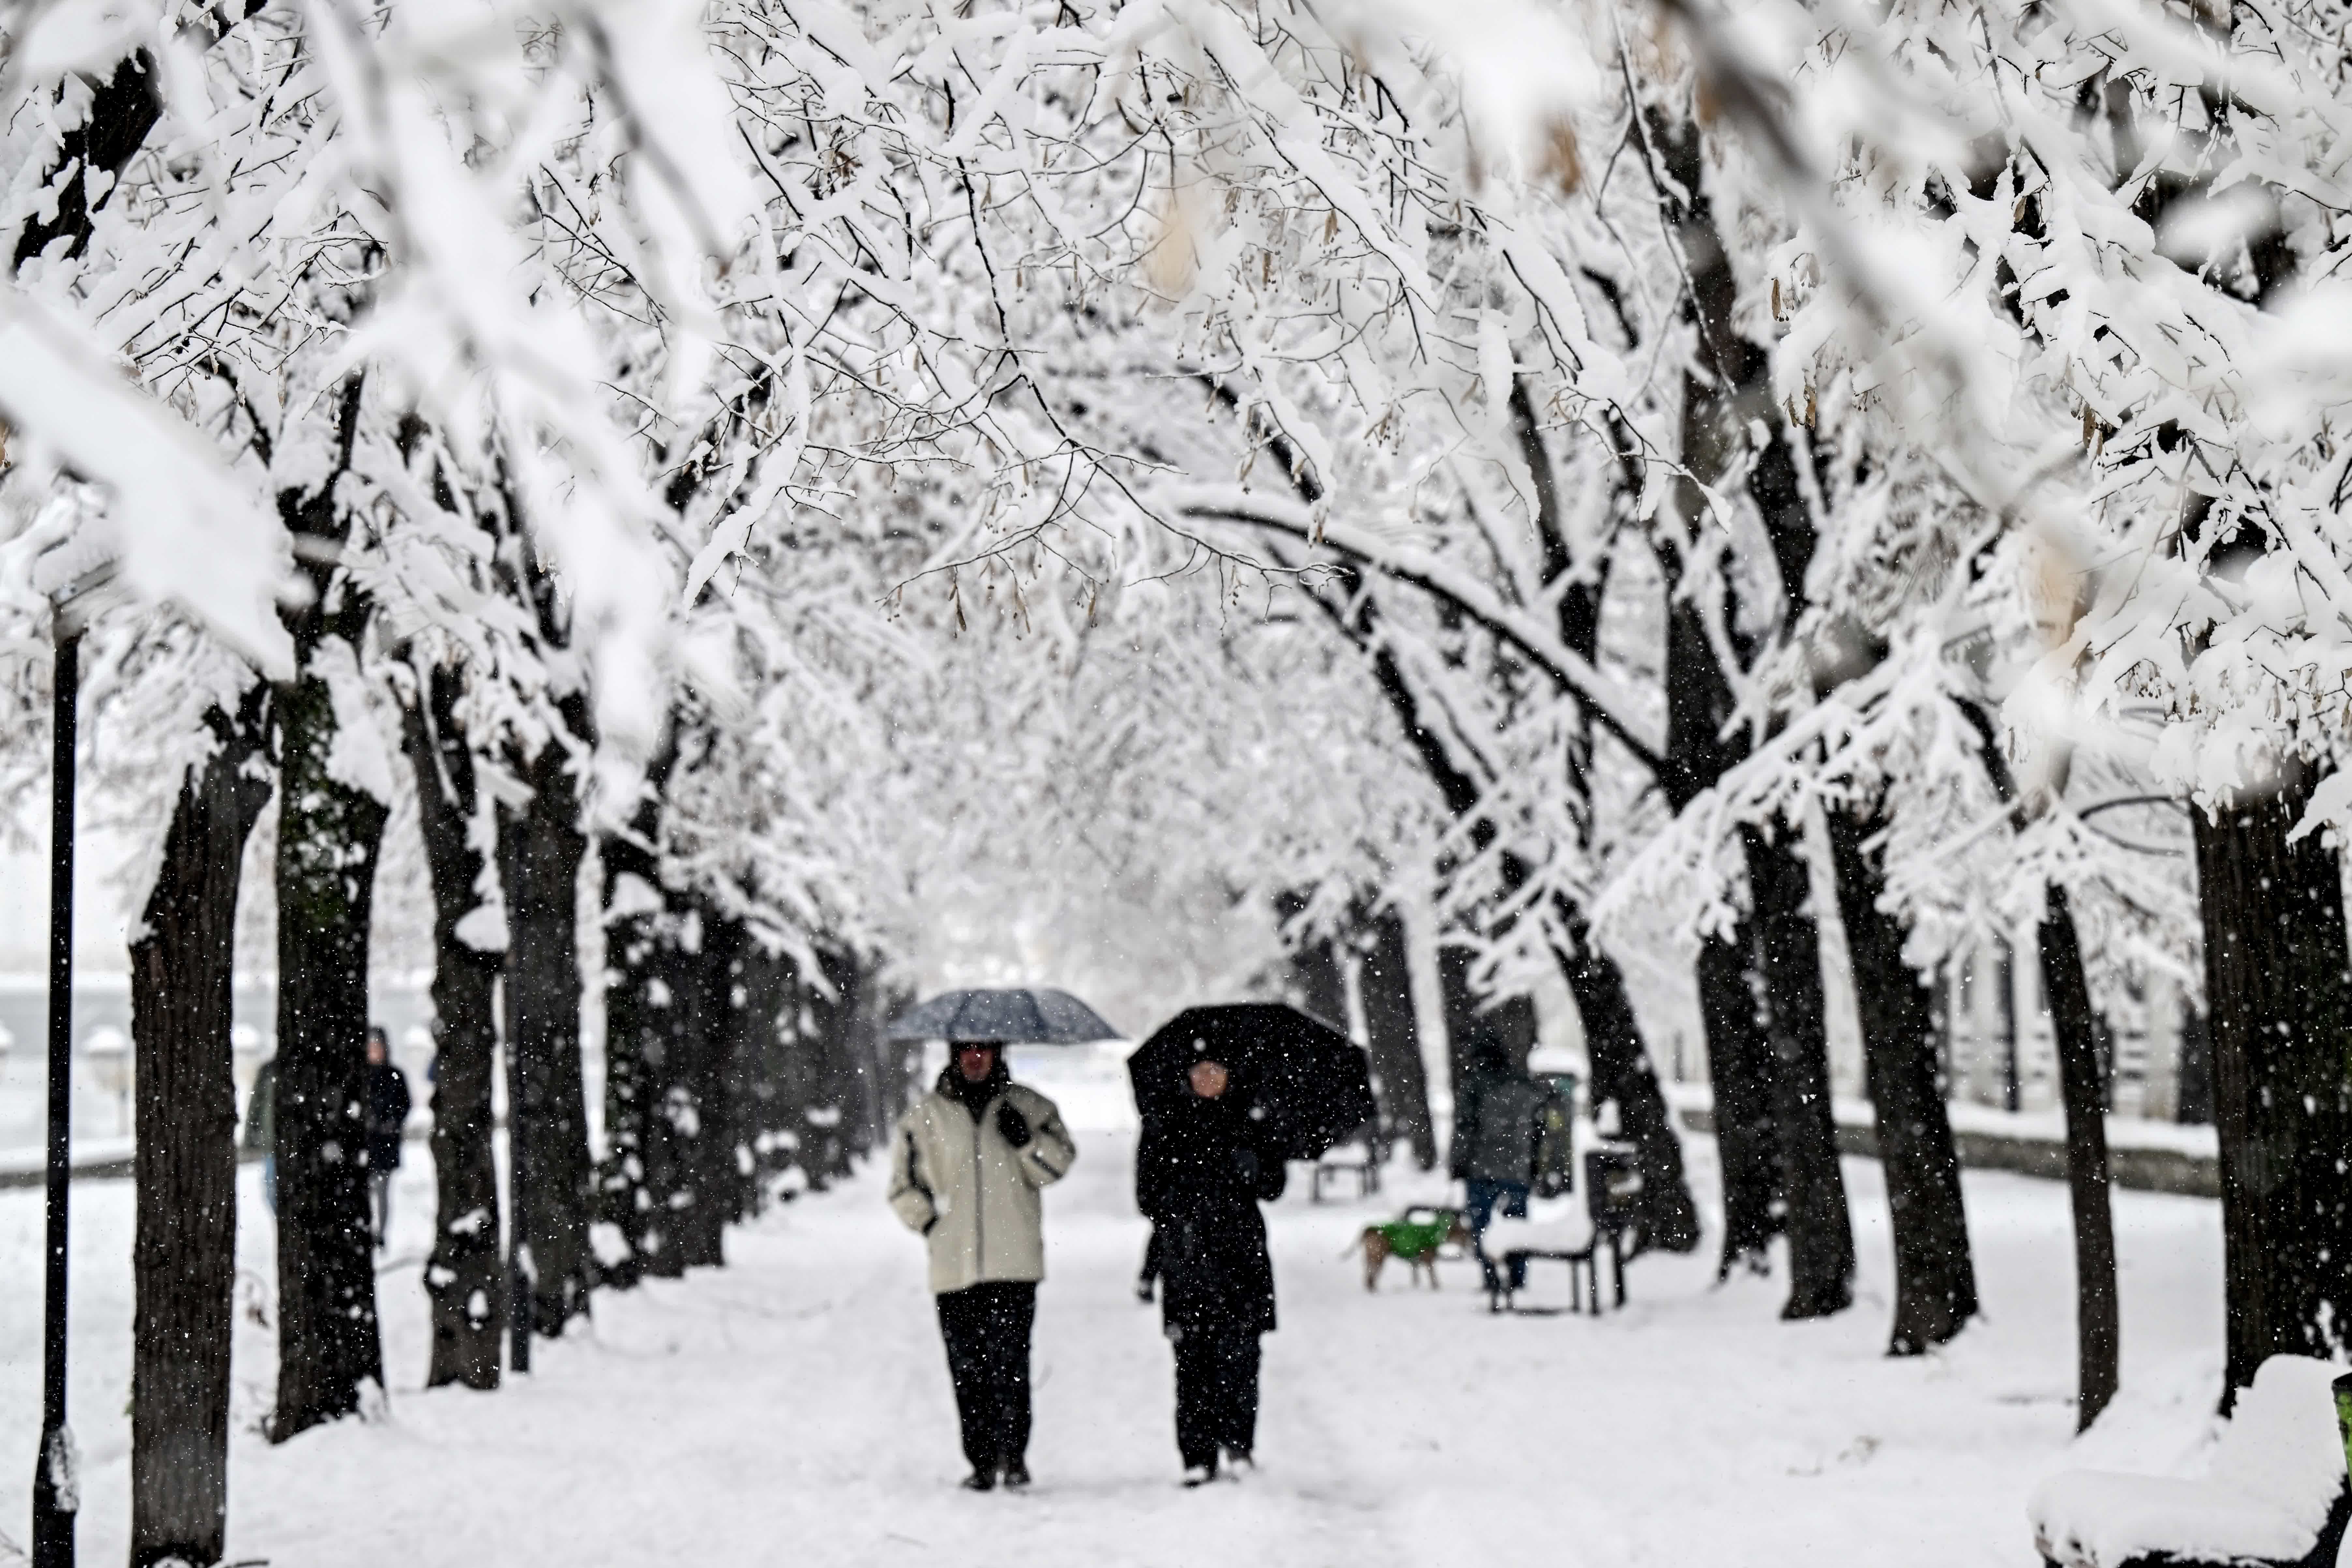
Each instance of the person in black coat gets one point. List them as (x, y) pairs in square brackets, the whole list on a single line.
[(388, 1104), (1200, 1170)]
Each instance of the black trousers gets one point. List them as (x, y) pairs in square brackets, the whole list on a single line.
[(986, 1327), (1216, 1392)]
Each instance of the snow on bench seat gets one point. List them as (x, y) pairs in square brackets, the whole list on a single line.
[(2277, 1472), (1553, 1225)]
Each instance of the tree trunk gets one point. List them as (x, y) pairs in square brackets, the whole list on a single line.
[(1393, 1032), (1935, 1278), (703, 1102), (1513, 1018), (465, 1276), (831, 1083), (2196, 1068), (2098, 1328), (636, 1021), (854, 1004), (184, 1254), (540, 850), (1788, 951), (2274, 986), (1322, 983), (1739, 1067), (328, 836), (772, 1000), (1622, 1073)]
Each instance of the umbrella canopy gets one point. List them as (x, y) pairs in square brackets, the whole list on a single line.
[(1314, 1084), (1032, 1017)]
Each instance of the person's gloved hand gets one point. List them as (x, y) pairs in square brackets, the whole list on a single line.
[(1013, 1124)]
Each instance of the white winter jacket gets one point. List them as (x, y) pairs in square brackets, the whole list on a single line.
[(970, 1193)]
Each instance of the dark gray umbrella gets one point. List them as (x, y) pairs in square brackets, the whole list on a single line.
[(1039, 1016)]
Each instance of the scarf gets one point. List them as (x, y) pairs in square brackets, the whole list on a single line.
[(974, 1097)]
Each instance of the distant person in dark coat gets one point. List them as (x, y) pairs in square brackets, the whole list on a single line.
[(388, 1104), (261, 1126), (1200, 1170), (1497, 1121)]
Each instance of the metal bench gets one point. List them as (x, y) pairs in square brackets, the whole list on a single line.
[(2274, 1494), (1613, 1191), (1357, 1160)]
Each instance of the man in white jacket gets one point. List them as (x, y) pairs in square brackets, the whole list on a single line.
[(967, 1165)]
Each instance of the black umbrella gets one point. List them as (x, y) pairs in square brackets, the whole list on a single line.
[(1313, 1083), (1035, 1018)]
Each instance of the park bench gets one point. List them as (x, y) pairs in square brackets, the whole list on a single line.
[(1358, 1159), (1611, 1228), (2275, 1496)]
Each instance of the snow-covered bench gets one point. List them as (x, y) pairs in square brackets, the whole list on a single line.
[(2276, 1493), (1560, 1230)]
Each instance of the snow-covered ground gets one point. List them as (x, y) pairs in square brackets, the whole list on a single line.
[(795, 1406)]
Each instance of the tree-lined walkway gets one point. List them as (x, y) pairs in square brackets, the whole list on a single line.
[(794, 1407)]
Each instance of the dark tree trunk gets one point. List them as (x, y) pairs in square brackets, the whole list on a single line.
[(1467, 1015), (851, 1027), (1935, 1278), (644, 991), (1322, 983), (704, 1101), (328, 836), (797, 1069), (1700, 749), (1812, 1185), (540, 850), (2097, 1327), (1727, 399), (2196, 1069), (2083, 1091), (184, 1256), (1393, 1033), (831, 1083), (2275, 995), (1621, 1074), (634, 1020), (772, 1000), (465, 1276), (636, 1035), (1739, 1065)]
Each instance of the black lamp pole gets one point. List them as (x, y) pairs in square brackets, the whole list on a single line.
[(55, 1491), (519, 1281)]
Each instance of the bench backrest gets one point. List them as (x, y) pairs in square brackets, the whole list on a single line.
[(1612, 1189), (2281, 1440)]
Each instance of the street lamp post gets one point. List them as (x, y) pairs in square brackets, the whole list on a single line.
[(55, 1490), (518, 1260)]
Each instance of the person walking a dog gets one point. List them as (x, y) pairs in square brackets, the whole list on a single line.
[(968, 1165), (1202, 1168), (1498, 1119)]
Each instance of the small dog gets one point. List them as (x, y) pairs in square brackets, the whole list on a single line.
[(1417, 1237)]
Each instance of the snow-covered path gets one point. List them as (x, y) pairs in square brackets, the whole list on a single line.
[(794, 1407)]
